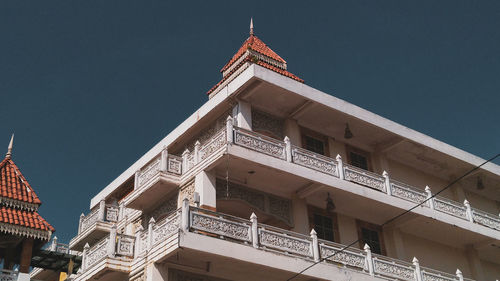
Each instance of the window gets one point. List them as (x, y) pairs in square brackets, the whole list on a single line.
[(314, 145), (314, 142), (358, 158), (324, 224), (371, 234)]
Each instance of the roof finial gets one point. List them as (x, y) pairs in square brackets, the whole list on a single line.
[(9, 149), (251, 26)]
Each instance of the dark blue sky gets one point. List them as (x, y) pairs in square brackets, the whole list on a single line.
[(89, 86)]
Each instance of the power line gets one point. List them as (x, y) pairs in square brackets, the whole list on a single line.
[(398, 216)]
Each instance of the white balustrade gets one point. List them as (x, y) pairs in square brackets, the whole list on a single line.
[(336, 167), (364, 177), (259, 143), (407, 192), (165, 228), (216, 142), (314, 161), (8, 275), (274, 239), (450, 207), (486, 219), (284, 241)]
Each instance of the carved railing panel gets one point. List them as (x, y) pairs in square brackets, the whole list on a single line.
[(349, 257), (434, 275), (149, 171), (285, 242), (221, 226), (450, 207), (216, 142), (8, 275), (143, 242), (97, 252), (275, 239), (407, 192), (112, 213), (259, 143), (393, 268), (89, 220), (125, 245), (486, 219), (165, 228), (364, 177), (174, 164), (314, 161)]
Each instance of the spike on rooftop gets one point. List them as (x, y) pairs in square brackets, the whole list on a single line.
[(253, 51), (19, 202)]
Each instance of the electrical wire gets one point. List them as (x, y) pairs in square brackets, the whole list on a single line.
[(398, 216)]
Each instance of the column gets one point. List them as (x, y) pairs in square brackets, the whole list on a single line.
[(292, 130), (154, 273), (244, 116), (26, 252), (204, 184), (474, 263), (300, 215)]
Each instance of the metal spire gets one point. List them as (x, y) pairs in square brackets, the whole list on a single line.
[(251, 26), (9, 149)]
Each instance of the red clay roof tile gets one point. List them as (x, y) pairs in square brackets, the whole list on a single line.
[(13, 184), (24, 218)]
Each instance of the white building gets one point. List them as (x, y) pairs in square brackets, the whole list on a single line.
[(235, 191)]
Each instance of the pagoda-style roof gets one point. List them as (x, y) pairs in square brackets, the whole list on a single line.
[(14, 186), (19, 204), (254, 51)]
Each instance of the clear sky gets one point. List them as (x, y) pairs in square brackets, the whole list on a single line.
[(90, 86)]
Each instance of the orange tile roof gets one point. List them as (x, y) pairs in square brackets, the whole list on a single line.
[(24, 218), (13, 184), (254, 43)]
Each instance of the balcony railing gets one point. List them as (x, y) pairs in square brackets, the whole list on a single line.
[(284, 150), (335, 167), (105, 213), (112, 246), (273, 239), (8, 275)]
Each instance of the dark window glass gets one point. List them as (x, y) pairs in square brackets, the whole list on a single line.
[(314, 145), (323, 226), (371, 238), (358, 160)]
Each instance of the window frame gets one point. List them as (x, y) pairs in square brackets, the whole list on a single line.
[(304, 132), (373, 227), (361, 152), (312, 210)]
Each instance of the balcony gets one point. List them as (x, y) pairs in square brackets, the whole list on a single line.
[(199, 231), (95, 225), (166, 171), (109, 258), (153, 181), (285, 151)]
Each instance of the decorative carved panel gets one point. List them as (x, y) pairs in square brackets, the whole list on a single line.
[(266, 123), (278, 207)]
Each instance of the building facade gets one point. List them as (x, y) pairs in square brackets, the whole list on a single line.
[(271, 176)]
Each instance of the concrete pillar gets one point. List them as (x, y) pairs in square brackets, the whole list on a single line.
[(292, 130), (475, 266), (300, 216), (204, 184), (244, 117), (399, 246), (154, 273)]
